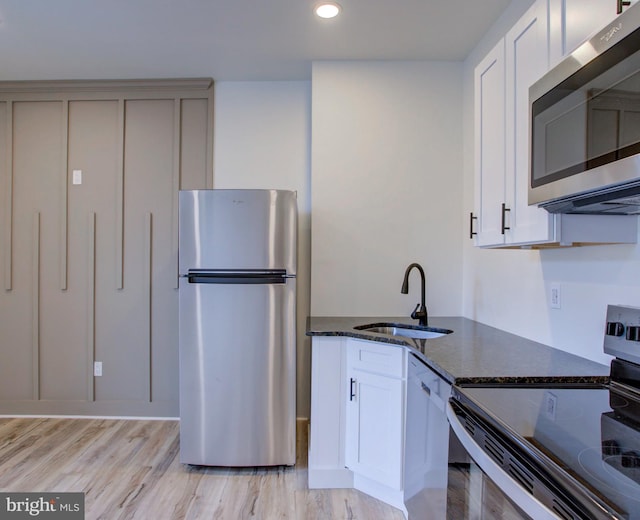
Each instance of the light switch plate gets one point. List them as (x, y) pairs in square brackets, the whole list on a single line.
[(77, 177)]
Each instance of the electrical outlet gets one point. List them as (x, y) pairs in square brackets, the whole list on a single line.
[(77, 177), (550, 405), (97, 368), (554, 296)]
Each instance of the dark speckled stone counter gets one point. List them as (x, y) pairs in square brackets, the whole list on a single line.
[(474, 353)]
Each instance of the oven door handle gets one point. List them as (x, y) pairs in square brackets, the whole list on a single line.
[(496, 474)]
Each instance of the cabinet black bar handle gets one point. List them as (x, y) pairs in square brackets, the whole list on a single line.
[(621, 5), (471, 231), (504, 218), (352, 389)]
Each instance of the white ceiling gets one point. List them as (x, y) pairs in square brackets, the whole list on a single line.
[(227, 39)]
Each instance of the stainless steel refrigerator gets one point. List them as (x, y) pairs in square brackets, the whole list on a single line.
[(237, 306)]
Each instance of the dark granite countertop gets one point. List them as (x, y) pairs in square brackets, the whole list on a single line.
[(474, 353)]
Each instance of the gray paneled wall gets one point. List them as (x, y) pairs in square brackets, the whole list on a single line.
[(89, 269)]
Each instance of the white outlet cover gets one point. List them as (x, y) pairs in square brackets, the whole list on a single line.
[(77, 177), (551, 405), (554, 296)]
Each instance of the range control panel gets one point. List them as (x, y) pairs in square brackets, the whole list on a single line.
[(622, 332)]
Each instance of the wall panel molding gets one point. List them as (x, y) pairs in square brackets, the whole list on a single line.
[(64, 195), (147, 87), (177, 178), (119, 210), (35, 305), (91, 305), (66, 258), (148, 263), (210, 126), (8, 201)]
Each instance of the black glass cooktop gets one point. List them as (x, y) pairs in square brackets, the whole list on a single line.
[(591, 434)]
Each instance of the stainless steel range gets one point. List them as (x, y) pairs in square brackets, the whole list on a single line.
[(568, 452)]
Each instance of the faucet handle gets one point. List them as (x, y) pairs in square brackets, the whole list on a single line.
[(420, 313)]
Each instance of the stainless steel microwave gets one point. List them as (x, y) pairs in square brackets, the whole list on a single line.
[(585, 125)]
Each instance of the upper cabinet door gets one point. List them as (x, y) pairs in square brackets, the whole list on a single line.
[(526, 56), (502, 216), (489, 149), (573, 21)]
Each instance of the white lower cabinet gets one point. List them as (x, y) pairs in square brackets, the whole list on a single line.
[(374, 436), (374, 428), (326, 464), (366, 431), (357, 417)]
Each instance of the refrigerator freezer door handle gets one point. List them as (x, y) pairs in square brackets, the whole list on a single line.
[(228, 276)]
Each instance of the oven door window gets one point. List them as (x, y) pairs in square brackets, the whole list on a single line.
[(471, 495)]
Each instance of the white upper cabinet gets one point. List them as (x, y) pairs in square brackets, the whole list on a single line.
[(502, 216), (526, 56), (489, 150), (502, 81), (573, 21)]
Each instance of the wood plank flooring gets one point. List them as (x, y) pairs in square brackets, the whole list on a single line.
[(129, 469)]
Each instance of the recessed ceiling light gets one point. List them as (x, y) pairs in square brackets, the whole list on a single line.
[(327, 9)]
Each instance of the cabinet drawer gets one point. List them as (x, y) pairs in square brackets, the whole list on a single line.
[(379, 358)]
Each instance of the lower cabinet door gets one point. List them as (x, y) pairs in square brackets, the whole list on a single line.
[(374, 427)]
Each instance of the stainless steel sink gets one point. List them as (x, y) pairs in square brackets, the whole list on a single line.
[(407, 331)]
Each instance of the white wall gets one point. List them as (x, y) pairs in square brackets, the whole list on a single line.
[(262, 140), (386, 186), (509, 289), (389, 153), (386, 181)]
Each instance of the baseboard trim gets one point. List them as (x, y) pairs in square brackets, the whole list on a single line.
[(332, 478), (302, 420)]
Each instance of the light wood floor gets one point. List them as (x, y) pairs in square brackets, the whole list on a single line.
[(130, 469)]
